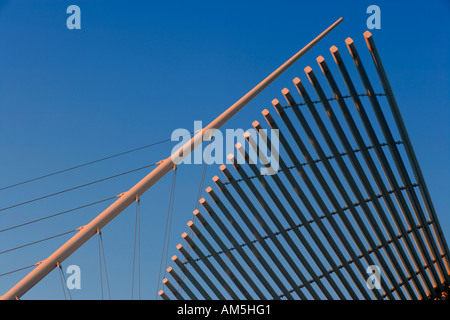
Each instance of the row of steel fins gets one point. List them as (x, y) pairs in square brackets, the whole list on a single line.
[(402, 236)]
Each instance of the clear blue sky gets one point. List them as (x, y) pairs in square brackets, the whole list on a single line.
[(137, 70)]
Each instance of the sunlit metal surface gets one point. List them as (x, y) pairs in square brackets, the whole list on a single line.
[(349, 194)]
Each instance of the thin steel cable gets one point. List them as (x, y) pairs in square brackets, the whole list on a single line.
[(104, 263), (64, 277), (86, 164), (100, 263), (16, 270), (321, 217), (137, 244), (63, 283), (303, 164), (140, 148), (171, 204), (166, 231), (331, 99), (57, 214), (202, 180), (38, 241), (79, 186), (199, 193)]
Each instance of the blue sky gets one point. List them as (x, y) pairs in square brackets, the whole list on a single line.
[(138, 70)]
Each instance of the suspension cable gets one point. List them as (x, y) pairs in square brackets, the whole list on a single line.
[(56, 214), (199, 194), (171, 203), (141, 148), (16, 270), (100, 263), (137, 237), (63, 281), (202, 179), (101, 254), (79, 186), (38, 241), (88, 163), (104, 263), (165, 246)]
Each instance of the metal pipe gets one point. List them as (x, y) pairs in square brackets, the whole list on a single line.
[(336, 181), (163, 295), (191, 278), (285, 214), (298, 212), (408, 147), (400, 167), (172, 289), (219, 260), (200, 272), (180, 281), (244, 236), (308, 205), (229, 254), (276, 222), (299, 142), (255, 231), (233, 240), (351, 183), (363, 177), (210, 266), (412, 248), (165, 166)]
